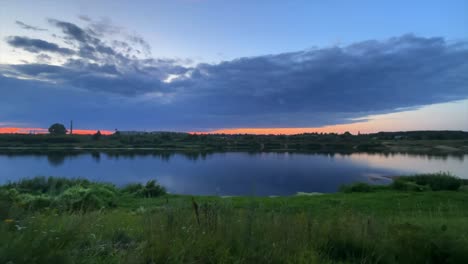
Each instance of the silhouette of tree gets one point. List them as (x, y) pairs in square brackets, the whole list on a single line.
[(97, 135), (57, 129)]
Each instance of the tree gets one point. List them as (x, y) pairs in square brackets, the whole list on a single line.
[(97, 135), (57, 129)]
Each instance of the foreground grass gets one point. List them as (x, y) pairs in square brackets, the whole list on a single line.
[(377, 226)]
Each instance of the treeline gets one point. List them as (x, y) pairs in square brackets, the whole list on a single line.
[(320, 142), (423, 135)]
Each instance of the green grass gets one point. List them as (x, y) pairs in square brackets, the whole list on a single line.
[(382, 225)]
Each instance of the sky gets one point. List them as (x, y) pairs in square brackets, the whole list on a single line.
[(234, 66)]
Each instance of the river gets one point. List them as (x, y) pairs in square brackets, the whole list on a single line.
[(233, 173)]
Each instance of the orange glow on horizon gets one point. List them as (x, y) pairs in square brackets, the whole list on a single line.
[(354, 128), (441, 119), (90, 131), (24, 130)]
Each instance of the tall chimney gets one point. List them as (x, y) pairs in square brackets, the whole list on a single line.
[(71, 127)]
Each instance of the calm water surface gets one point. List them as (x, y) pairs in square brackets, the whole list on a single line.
[(232, 173)]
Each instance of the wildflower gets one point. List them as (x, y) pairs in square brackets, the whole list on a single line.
[(8, 220)]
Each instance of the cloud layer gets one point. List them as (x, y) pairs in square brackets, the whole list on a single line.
[(37, 45), (107, 76), (28, 27)]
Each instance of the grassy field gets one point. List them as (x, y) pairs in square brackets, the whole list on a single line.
[(414, 220)]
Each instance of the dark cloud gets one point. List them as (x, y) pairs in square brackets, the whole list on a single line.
[(37, 45), (140, 41), (29, 27), (43, 58), (89, 76), (71, 30), (305, 88), (99, 67), (364, 77), (104, 26), (91, 43)]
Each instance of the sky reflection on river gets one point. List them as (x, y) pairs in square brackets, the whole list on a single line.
[(234, 173)]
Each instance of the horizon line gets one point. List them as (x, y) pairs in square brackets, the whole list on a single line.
[(231, 131)]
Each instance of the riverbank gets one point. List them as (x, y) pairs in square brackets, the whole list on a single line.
[(84, 222), (415, 142)]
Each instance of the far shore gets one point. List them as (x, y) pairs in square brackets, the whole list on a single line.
[(412, 142)]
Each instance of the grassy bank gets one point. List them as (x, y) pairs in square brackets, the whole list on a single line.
[(78, 221)]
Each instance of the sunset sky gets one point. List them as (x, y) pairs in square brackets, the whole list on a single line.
[(234, 66)]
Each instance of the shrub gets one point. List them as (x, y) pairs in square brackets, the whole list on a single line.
[(369, 146), (313, 146), (80, 198), (403, 185), (436, 181), (61, 193), (41, 184), (357, 187), (34, 202), (6, 202), (132, 188), (151, 189)]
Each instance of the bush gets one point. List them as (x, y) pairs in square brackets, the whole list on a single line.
[(357, 187), (41, 185), (80, 198), (61, 193), (416, 183), (369, 146), (68, 194), (6, 202), (151, 189), (403, 185), (132, 188), (436, 181), (33, 202)]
